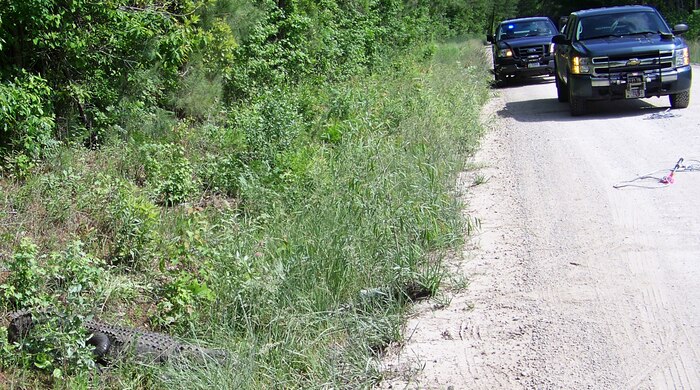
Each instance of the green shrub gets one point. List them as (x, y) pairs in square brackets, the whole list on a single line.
[(220, 173), (271, 125), (218, 164), (26, 277), (199, 93), (70, 277), (26, 122), (181, 301), (169, 174), (300, 167), (141, 123), (61, 290), (76, 275), (58, 191), (93, 54), (126, 220)]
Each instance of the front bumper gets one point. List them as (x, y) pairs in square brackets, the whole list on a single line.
[(614, 86), (525, 67)]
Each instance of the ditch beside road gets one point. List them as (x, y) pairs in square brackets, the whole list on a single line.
[(573, 283)]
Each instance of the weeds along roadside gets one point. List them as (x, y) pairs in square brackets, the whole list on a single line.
[(300, 265), (694, 47)]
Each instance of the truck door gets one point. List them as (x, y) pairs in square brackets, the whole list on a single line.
[(562, 51)]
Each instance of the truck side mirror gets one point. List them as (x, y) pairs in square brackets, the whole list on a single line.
[(680, 28), (560, 40), (489, 38)]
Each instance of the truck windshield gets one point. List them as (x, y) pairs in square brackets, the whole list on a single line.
[(620, 24), (531, 28)]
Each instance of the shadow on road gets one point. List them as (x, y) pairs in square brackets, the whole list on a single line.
[(549, 109), (519, 82)]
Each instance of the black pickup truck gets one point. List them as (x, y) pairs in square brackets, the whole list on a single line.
[(521, 48), (625, 52)]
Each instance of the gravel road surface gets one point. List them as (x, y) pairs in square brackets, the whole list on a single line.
[(573, 284)]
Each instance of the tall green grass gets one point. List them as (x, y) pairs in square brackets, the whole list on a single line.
[(380, 211), (303, 277)]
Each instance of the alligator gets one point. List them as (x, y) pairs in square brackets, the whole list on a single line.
[(112, 342)]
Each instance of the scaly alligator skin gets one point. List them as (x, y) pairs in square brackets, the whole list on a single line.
[(113, 342)]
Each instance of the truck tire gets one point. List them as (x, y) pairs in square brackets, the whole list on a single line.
[(577, 105), (500, 80), (562, 94), (680, 100)]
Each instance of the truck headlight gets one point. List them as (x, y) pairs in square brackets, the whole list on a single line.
[(505, 53), (682, 57), (580, 65), (551, 48)]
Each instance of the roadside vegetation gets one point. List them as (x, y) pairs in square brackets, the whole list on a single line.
[(273, 178), (270, 178), (693, 36)]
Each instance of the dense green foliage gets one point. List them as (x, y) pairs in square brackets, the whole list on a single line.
[(271, 177), (81, 71)]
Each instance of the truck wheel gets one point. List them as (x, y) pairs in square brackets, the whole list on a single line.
[(679, 100), (500, 80), (562, 94), (577, 105)]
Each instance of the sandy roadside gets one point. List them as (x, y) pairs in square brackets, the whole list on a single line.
[(573, 283)]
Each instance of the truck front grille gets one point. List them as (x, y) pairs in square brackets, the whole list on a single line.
[(530, 51), (637, 62)]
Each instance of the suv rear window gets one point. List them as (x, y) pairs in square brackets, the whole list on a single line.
[(619, 24), (530, 28)]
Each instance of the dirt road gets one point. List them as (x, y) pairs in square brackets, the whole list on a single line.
[(573, 283)]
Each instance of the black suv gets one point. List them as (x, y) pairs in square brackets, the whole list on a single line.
[(625, 52), (521, 47)]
